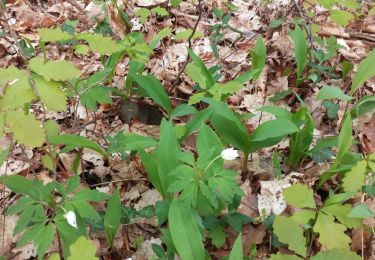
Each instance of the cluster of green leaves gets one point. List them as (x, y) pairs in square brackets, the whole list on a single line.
[(39, 199)]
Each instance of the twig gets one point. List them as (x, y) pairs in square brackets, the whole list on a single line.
[(177, 80)]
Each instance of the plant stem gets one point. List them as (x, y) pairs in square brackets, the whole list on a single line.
[(244, 166)]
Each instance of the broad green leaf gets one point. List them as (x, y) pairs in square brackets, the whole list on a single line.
[(300, 196), (363, 106), (280, 256), (183, 110), (267, 130), (165, 32), (50, 94), (332, 108), (341, 17), (152, 86), (361, 211), (151, 166), (53, 35), (277, 111), (331, 235), (143, 14), (167, 157), (208, 146), (336, 254), (341, 212), (101, 44), (175, 3), (185, 232), (76, 141), (24, 219), (345, 138), (54, 70), (258, 57), (41, 235), (160, 11), (90, 195), (218, 89), (185, 34), (300, 50), (11, 74), (17, 94), (346, 67), (217, 236), (25, 128), (288, 231), (82, 248), (329, 92), (236, 252), (364, 72), (302, 217), (207, 74), (196, 74), (96, 95), (81, 49), (355, 178), (112, 217), (84, 209)]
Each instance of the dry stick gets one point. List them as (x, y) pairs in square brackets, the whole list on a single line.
[(189, 46)]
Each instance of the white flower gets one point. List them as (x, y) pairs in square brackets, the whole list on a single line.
[(229, 154), (71, 218)]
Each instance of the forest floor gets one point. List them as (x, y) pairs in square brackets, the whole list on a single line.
[(273, 20)]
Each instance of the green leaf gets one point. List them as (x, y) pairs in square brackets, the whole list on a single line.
[(81, 49), (341, 17), (82, 248), (42, 236), (54, 70), (288, 231), (167, 157), (364, 72), (355, 178), (300, 196), (300, 50), (101, 44), (346, 67), (152, 86), (53, 35), (165, 32), (345, 138), (25, 128), (332, 235), (230, 87), (236, 252), (200, 64), (143, 14), (208, 146), (361, 211), (265, 135), (94, 95), (258, 57), (76, 141), (336, 254), (112, 217), (329, 92), (303, 217), (217, 236), (17, 93), (341, 212), (183, 110), (363, 106), (91, 195), (175, 3), (50, 94), (185, 233), (332, 108), (185, 34), (160, 11), (280, 256)]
